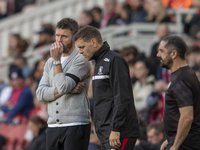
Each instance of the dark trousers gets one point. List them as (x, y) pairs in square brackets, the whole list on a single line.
[(68, 138), (2, 141), (126, 144)]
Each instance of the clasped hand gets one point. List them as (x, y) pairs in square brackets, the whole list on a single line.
[(56, 50)]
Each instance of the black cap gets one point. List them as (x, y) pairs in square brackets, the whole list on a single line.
[(46, 30), (15, 73)]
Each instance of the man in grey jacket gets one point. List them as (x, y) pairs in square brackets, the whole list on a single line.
[(64, 87)]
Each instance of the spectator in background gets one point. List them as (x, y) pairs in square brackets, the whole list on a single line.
[(192, 54), (5, 94), (155, 105), (15, 6), (46, 35), (109, 17), (21, 99), (38, 127), (146, 5), (155, 137), (131, 65), (22, 46), (3, 9), (143, 86), (198, 60), (197, 71), (9, 7), (22, 64), (163, 78), (86, 18), (38, 70), (125, 15), (31, 82), (162, 31), (49, 26), (155, 133), (34, 78), (17, 45), (163, 74), (129, 53), (13, 41), (97, 15), (198, 37), (157, 12), (192, 21), (139, 14)]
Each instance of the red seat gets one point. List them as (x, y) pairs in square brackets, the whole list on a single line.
[(14, 135), (6, 131), (19, 135)]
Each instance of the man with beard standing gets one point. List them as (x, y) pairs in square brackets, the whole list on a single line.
[(64, 87), (182, 99)]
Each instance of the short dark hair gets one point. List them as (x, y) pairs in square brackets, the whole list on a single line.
[(87, 33), (131, 62), (176, 43), (88, 13), (129, 50), (37, 120), (145, 62), (68, 23), (157, 126), (193, 49), (126, 7), (21, 58), (97, 9)]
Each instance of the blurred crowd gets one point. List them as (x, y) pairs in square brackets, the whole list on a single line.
[(18, 102), (10, 7), (114, 12)]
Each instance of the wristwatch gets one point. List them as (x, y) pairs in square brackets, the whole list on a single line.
[(56, 62)]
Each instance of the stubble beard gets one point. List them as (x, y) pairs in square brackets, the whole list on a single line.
[(166, 65), (67, 48)]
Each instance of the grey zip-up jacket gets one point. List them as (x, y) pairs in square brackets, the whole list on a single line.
[(69, 108)]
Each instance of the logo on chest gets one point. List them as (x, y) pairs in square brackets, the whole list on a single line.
[(106, 59), (100, 70)]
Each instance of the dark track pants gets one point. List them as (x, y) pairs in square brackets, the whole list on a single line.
[(68, 138)]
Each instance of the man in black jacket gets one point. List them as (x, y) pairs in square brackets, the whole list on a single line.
[(115, 116)]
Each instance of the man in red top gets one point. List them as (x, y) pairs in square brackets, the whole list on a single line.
[(21, 99), (109, 17)]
